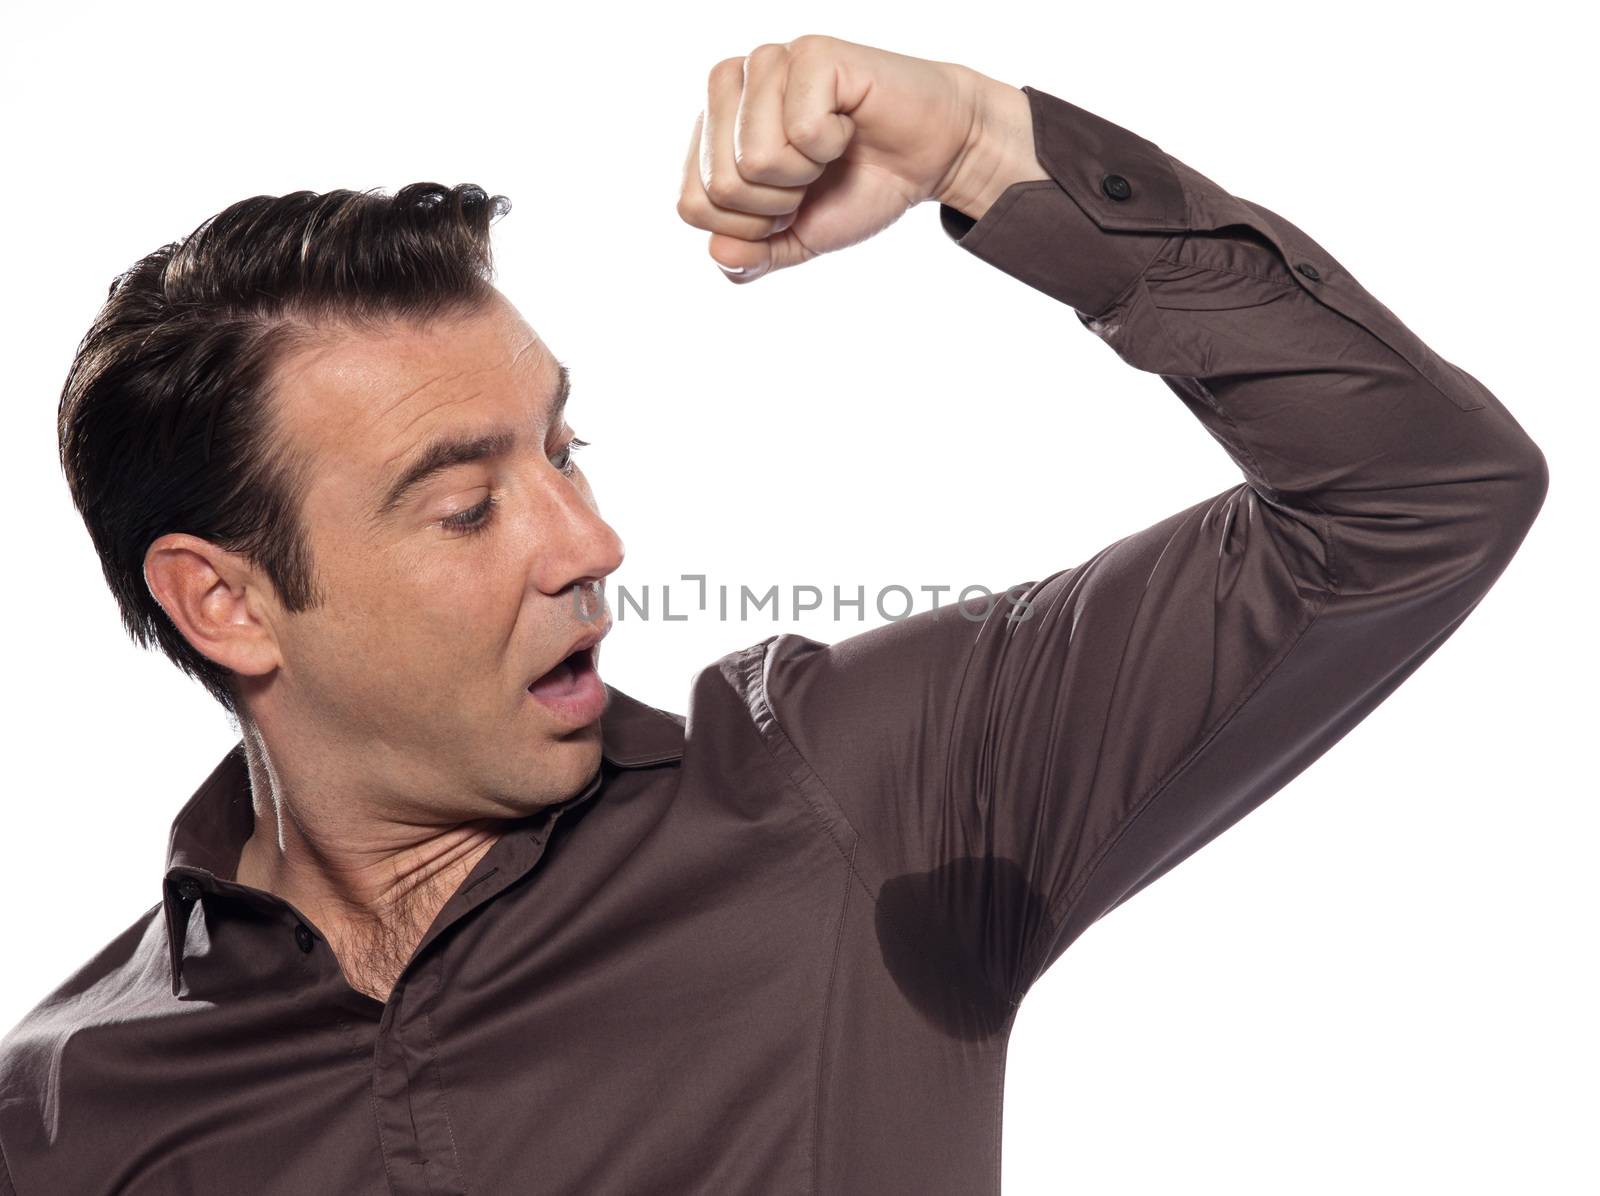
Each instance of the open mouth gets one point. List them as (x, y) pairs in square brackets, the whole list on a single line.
[(567, 678), (572, 692)]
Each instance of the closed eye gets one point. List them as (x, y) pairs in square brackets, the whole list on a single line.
[(473, 519), (477, 518)]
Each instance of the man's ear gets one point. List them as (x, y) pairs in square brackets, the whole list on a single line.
[(220, 602)]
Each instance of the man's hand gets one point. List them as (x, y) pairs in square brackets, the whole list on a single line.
[(818, 143)]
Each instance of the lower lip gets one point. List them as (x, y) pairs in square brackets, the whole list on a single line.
[(572, 690)]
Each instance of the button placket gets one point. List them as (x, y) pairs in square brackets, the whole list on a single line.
[(410, 1100)]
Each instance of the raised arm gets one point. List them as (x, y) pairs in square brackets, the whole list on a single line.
[(1000, 783)]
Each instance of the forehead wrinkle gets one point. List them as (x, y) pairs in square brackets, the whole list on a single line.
[(439, 406), (416, 390), (451, 376), (533, 342), (563, 390)]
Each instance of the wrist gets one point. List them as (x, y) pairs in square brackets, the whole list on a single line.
[(999, 151)]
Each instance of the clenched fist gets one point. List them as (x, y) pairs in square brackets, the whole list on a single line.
[(818, 143)]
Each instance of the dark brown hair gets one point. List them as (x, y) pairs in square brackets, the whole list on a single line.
[(164, 421)]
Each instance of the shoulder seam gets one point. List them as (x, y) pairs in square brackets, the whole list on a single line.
[(797, 769)]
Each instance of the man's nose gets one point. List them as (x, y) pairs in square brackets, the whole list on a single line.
[(579, 547)]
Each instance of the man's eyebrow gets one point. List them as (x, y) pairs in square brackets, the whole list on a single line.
[(449, 451), (563, 392)]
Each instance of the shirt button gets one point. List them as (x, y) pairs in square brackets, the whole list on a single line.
[(189, 888), (1308, 270), (303, 937), (1116, 186)]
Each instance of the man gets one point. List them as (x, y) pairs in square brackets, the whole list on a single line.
[(453, 916)]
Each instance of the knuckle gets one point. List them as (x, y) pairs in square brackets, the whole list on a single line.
[(766, 51), (756, 163), (722, 190), (727, 68), (809, 41), (805, 131)]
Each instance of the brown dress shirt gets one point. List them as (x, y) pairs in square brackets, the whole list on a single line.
[(777, 945)]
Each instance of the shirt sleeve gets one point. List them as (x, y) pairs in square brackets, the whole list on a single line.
[(1003, 774)]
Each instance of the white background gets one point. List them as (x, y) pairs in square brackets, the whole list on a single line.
[(1383, 981)]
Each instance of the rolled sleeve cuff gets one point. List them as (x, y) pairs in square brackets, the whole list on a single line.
[(1086, 234)]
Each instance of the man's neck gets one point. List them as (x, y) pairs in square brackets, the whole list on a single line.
[(373, 915), (371, 889)]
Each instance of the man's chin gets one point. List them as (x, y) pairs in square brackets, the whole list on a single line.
[(573, 759), (583, 741)]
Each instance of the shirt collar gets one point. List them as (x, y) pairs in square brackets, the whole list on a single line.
[(633, 734), (210, 830)]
